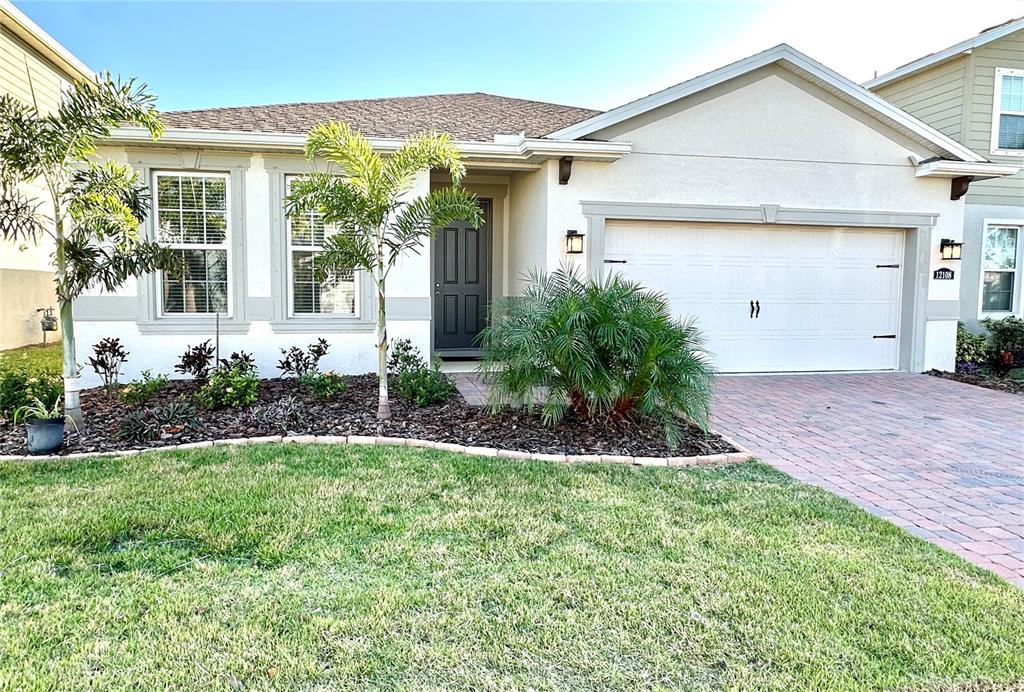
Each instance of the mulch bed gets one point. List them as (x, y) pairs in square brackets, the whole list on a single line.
[(354, 413), (1002, 384)]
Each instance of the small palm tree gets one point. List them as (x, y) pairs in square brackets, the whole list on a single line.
[(91, 212), (364, 197)]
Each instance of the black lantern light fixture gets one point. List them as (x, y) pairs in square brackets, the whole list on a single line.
[(950, 249), (574, 242)]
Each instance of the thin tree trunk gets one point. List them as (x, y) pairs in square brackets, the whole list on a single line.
[(72, 404), (383, 405)]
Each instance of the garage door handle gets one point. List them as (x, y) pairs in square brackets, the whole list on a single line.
[(615, 261), (751, 309), (884, 336), (758, 313)]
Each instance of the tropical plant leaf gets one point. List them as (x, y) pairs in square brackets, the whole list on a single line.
[(600, 348)]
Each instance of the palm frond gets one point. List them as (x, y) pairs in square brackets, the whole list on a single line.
[(417, 219), (91, 109), (107, 202), (350, 152), (21, 140), (425, 151), (20, 216), (603, 348)]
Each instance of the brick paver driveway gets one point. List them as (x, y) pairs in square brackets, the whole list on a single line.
[(943, 459)]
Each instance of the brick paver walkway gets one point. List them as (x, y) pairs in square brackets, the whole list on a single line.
[(943, 459)]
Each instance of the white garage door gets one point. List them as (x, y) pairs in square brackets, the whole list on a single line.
[(773, 300)]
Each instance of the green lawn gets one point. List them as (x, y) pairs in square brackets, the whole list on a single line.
[(306, 566), (36, 358)]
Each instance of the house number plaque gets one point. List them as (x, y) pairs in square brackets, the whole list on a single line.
[(943, 274)]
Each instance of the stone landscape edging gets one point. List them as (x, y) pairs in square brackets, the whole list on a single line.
[(741, 455)]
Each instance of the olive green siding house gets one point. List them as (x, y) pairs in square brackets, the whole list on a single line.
[(974, 93), (33, 67)]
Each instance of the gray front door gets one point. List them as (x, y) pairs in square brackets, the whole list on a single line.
[(462, 279)]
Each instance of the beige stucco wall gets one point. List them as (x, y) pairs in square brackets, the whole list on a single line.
[(21, 294), (528, 226)]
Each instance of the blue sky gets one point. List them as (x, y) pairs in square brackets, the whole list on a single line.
[(195, 54)]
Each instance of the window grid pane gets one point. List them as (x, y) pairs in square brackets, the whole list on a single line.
[(1011, 131), (999, 281), (997, 294), (1001, 247), (1012, 96), (333, 296), (192, 217)]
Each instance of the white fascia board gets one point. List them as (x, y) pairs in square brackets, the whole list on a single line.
[(782, 53), (942, 56), (524, 150), (957, 169), (47, 45)]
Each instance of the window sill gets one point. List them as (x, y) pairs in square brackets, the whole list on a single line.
[(170, 325), (1007, 152), (322, 326)]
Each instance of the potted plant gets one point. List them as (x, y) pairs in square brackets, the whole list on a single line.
[(44, 425)]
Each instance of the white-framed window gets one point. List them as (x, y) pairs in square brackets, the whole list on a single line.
[(307, 297), (1001, 252), (192, 216), (1008, 112)]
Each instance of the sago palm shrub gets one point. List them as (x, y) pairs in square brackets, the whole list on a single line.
[(605, 348)]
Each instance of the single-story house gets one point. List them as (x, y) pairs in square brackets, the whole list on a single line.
[(797, 215)]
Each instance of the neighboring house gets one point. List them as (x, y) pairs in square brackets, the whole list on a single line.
[(33, 66), (784, 206), (974, 92)]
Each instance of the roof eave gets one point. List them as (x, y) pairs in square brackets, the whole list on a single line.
[(945, 55), (525, 150), (33, 35), (971, 169)]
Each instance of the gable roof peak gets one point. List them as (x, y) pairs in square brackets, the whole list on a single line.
[(801, 65), (986, 36)]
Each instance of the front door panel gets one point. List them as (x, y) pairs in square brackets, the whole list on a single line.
[(462, 263)]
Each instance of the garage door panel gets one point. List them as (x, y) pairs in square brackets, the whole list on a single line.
[(822, 297)]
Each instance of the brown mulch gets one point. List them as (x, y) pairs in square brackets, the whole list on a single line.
[(1001, 384), (354, 413)]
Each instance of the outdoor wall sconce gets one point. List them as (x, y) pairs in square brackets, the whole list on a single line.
[(950, 250), (574, 242)]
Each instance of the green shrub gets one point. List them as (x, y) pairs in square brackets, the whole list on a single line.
[(404, 356), (424, 386), (325, 385), (601, 348), (970, 348), (138, 391), (1007, 337), (20, 387), (229, 388)]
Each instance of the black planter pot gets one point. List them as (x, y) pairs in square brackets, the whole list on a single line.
[(45, 436)]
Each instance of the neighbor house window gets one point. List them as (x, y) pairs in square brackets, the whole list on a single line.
[(336, 294), (192, 219), (1008, 118), (1000, 264)]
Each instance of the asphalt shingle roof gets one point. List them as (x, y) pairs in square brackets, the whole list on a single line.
[(467, 117)]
